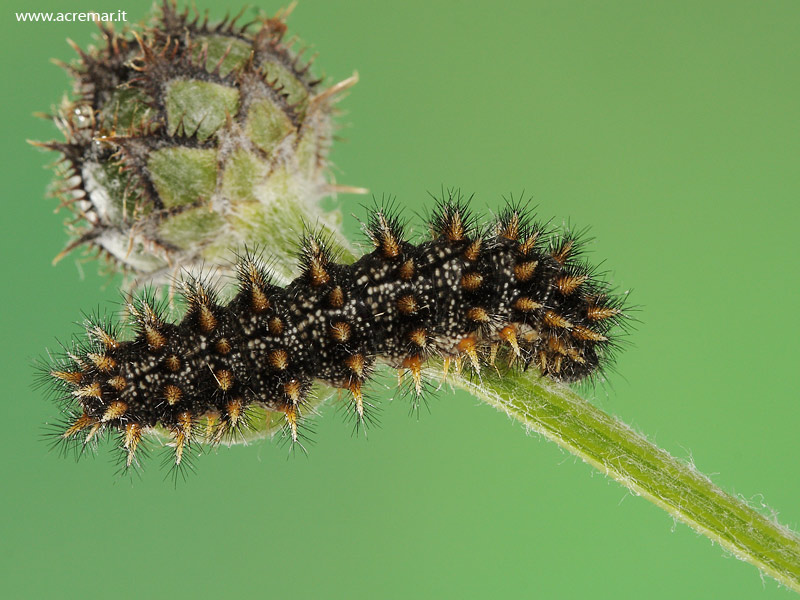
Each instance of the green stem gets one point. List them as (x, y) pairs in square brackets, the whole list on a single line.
[(561, 415)]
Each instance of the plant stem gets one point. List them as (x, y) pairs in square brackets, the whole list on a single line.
[(561, 415), (564, 417)]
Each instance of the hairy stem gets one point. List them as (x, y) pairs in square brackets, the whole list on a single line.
[(561, 415), (564, 417)]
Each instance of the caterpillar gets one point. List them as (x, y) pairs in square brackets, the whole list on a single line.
[(509, 292)]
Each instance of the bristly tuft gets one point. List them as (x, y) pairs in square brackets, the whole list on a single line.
[(508, 295)]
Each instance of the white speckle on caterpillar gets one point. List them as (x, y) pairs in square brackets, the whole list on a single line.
[(509, 293)]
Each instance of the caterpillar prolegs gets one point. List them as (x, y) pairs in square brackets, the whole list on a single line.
[(505, 293)]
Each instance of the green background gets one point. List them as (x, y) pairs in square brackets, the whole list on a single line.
[(671, 128)]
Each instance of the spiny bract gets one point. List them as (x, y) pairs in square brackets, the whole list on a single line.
[(185, 139), (507, 294)]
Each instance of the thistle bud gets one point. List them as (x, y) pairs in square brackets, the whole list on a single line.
[(184, 140)]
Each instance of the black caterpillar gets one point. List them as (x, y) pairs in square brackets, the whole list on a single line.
[(509, 292)]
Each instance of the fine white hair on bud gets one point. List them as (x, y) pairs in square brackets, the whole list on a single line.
[(183, 139)]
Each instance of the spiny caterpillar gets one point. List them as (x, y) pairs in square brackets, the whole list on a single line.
[(185, 138), (505, 293)]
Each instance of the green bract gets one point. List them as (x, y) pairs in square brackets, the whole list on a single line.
[(185, 140)]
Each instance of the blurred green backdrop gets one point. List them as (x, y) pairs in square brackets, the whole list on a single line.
[(671, 128)]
